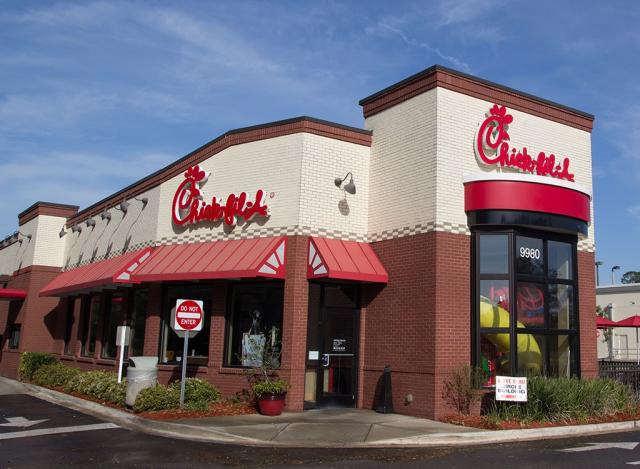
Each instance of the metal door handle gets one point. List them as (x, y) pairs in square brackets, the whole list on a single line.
[(325, 359)]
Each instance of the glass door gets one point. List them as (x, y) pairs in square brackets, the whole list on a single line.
[(337, 370)]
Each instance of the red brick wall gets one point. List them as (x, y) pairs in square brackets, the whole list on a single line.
[(587, 305), (419, 324)]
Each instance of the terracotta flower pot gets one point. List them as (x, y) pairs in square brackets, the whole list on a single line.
[(271, 404)]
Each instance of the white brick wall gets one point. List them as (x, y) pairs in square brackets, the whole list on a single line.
[(403, 165)]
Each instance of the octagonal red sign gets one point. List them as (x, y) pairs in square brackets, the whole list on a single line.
[(189, 315)]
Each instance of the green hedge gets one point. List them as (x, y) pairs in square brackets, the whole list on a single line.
[(562, 399), (30, 362), (198, 394), (100, 385), (54, 375)]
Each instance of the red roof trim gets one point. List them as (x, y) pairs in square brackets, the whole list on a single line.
[(117, 270), (344, 260), (12, 294), (243, 258)]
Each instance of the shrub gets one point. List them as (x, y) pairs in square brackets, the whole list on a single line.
[(462, 388), (30, 362), (158, 397), (198, 394), (278, 386), (563, 399), (54, 375), (100, 385)]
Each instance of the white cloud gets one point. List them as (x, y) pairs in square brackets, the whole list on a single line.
[(463, 11)]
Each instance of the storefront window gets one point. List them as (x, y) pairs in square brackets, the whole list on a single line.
[(540, 275), (137, 322), (253, 322), (530, 305), (171, 346), (494, 254), (91, 316), (116, 307)]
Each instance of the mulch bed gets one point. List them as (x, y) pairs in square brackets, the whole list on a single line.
[(216, 409), (482, 422)]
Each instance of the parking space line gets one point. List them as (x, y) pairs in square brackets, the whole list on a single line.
[(53, 431)]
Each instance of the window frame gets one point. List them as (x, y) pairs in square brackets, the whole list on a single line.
[(514, 278), (229, 312), (15, 331)]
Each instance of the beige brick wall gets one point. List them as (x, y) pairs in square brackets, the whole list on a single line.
[(48, 246), (403, 166)]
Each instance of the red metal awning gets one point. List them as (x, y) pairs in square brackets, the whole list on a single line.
[(117, 270), (242, 258), (345, 260), (12, 294), (604, 323)]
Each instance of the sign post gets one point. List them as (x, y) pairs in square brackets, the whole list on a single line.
[(123, 338), (189, 315)]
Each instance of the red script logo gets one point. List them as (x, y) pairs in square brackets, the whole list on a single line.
[(190, 208), (492, 148)]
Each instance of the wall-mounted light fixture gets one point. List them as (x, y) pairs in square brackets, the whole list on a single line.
[(76, 228), (123, 206), (144, 200), (24, 236), (349, 187), (106, 215), (62, 232), (90, 222)]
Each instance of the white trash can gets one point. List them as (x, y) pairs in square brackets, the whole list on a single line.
[(142, 373)]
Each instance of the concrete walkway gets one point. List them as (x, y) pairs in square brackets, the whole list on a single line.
[(326, 426), (321, 428)]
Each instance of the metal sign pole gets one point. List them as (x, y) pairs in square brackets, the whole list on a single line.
[(122, 334), (184, 367)]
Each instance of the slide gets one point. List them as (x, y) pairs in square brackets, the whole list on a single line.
[(528, 348)]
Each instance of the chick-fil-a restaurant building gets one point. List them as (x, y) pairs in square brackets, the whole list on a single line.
[(454, 227)]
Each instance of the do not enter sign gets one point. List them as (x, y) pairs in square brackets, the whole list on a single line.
[(189, 315)]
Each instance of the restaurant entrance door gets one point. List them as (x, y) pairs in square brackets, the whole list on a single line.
[(332, 361)]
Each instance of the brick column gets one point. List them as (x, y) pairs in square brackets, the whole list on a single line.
[(294, 320), (587, 314), (153, 320)]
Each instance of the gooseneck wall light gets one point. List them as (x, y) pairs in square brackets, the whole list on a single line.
[(349, 187)]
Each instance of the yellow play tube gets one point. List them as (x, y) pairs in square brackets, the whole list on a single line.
[(528, 348)]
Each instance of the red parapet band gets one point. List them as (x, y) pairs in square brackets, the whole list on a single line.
[(527, 196)]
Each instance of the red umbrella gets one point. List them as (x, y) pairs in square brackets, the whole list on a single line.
[(632, 321), (604, 323)]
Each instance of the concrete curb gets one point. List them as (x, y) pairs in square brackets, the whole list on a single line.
[(218, 435)]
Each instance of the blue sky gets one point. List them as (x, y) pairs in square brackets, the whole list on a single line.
[(95, 95)]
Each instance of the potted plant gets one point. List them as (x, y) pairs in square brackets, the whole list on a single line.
[(270, 394), (262, 351)]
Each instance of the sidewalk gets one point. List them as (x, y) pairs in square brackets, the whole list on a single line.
[(318, 428)]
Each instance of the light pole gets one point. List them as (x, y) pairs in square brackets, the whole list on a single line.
[(598, 264), (613, 278)]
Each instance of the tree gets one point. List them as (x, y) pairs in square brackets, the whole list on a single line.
[(632, 276)]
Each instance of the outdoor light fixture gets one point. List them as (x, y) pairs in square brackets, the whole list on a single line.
[(350, 187), (613, 269), (598, 264), (105, 215), (14, 237), (76, 228), (62, 232), (24, 236), (91, 222), (124, 206), (144, 200)]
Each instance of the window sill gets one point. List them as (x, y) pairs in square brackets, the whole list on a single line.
[(69, 358), (85, 360), (196, 368), (105, 361), (233, 371)]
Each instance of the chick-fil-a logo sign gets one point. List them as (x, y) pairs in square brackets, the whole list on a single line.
[(492, 147), (189, 206)]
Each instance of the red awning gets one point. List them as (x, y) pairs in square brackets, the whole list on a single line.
[(345, 260), (12, 294), (632, 321), (242, 258), (117, 270), (604, 323)]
